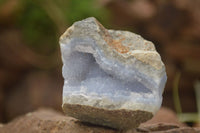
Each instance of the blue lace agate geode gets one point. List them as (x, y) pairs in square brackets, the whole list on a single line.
[(112, 78)]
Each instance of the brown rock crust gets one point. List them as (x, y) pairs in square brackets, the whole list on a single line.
[(119, 119)]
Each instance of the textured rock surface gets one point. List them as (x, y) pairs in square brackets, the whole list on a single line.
[(117, 72), (49, 121)]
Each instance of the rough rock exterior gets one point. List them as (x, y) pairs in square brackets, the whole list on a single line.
[(50, 121), (115, 72), (119, 119)]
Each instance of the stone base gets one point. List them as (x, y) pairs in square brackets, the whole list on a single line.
[(118, 119)]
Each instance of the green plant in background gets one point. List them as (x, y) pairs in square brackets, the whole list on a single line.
[(43, 21), (38, 29), (176, 97), (80, 9), (185, 117), (2, 1), (197, 92)]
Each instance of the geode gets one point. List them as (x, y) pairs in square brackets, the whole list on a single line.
[(111, 78)]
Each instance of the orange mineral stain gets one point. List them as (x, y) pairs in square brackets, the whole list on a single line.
[(117, 45)]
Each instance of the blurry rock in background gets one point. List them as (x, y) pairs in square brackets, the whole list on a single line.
[(165, 115), (29, 50), (38, 89)]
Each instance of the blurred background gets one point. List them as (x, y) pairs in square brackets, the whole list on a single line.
[(30, 62)]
